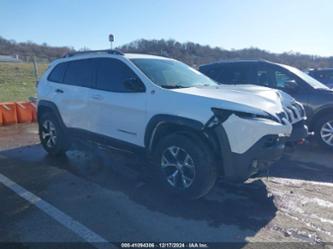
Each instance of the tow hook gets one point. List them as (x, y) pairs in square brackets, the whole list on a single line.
[(305, 140), (301, 142), (290, 146)]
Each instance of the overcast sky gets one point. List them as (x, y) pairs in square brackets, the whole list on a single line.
[(278, 26)]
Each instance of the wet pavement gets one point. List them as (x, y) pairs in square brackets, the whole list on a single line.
[(110, 193)]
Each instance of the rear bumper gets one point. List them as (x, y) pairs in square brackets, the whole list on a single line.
[(239, 167)]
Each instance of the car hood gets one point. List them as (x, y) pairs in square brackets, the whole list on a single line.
[(244, 98)]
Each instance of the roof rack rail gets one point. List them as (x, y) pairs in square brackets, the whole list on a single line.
[(109, 51)]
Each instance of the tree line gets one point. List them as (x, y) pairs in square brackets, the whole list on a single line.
[(191, 53), (26, 50), (195, 54)]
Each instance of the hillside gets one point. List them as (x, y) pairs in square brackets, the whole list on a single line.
[(25, 50), (195, 54)]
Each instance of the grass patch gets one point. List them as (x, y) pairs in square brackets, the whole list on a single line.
[(17, 81)]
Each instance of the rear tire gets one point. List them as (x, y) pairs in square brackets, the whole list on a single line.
[(324, 131), (52, 136), (185, 166)]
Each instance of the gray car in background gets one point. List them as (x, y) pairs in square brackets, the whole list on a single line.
[(315, 96)]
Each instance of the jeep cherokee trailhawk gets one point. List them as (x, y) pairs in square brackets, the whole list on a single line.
[(191, 129)]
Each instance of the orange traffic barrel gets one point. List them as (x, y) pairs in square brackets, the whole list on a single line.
[(1, 118), (8, 110), (34, 111), (24, 112)]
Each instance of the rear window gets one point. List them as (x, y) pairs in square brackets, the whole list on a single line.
[(57, 74), (80, 73)]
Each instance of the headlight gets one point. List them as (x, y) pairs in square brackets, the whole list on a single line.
[(223, 115)]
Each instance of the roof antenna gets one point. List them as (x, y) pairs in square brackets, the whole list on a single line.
[(111, 40)]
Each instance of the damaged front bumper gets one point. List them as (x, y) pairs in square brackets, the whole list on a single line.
[(239, 167), (250, 144)]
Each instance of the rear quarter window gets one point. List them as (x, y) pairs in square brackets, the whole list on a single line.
[(58, 73)]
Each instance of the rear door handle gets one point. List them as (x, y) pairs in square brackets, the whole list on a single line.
[(59, 91), (97, 97)]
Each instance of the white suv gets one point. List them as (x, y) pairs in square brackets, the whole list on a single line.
[(191, 129)]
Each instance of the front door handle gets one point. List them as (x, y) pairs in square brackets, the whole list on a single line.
[(59, 91)]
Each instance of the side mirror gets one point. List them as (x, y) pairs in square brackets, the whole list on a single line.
[(134, 85), (290, 85)]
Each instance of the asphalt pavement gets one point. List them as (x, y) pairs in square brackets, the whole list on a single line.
[(92, 195)]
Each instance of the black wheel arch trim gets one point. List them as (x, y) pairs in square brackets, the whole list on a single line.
[(50, 106), (209, 133), (324, 110), (156, 121)]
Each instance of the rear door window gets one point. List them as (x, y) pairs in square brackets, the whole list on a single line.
[(234, 74), (80, 73)]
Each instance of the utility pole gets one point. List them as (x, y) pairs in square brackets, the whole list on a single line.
[(35, 67), (111, 39)]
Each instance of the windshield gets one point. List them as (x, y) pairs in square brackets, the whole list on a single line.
[(307, 78), (172, 74)]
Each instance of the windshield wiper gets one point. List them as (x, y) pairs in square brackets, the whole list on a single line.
[(204, 85), (173, 86)]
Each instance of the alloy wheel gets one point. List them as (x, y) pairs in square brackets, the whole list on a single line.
[(326, 133), (178, 167), (49, 134)]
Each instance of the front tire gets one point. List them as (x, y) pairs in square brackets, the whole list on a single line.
[(51, 135), (324, 131), (185, 166)]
